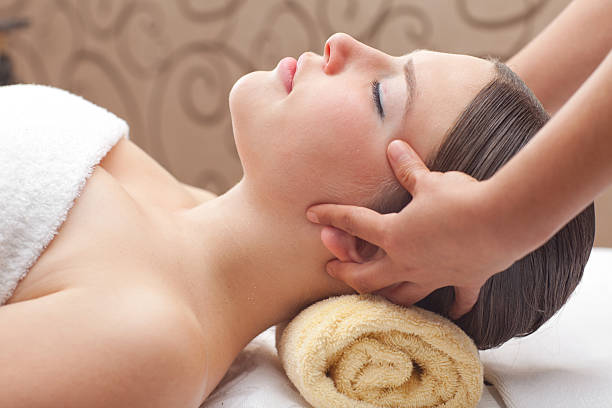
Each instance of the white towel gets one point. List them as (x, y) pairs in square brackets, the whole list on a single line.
[(568, 361), (50, 141)]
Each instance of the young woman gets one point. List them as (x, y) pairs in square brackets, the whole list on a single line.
[(151, 288)]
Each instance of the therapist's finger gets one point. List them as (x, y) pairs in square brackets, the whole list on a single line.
[(465, 299), (405, 293), (357, 221), (341, 244), (407, 165), (365, 277)]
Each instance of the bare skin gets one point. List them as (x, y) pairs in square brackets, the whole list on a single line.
[(147, 293), (123, 262), (98, 258)]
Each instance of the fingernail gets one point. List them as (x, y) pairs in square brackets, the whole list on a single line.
[(397, 150), (312, 217)]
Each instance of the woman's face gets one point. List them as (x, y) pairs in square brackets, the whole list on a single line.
[(324, 138)]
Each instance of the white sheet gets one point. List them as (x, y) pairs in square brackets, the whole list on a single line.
[(568, 361)]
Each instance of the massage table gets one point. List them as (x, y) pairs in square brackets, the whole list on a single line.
[(563, 364)]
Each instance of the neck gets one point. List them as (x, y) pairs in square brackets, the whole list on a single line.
[(251, 265)]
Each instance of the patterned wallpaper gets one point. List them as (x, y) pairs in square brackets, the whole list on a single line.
[(167, 66)]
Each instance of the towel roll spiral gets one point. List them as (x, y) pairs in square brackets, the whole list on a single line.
[(359, 351)]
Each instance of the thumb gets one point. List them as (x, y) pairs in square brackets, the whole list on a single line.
[(465, 299), (406, 164)]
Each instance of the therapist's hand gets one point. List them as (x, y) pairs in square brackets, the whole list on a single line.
[(446, 236)]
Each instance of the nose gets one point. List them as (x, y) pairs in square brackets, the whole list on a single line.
[(339, 49)]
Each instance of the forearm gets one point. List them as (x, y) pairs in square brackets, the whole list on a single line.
[(564, 167), (561, 57)]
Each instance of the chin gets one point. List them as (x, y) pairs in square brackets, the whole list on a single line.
[(240, 92), (258, 123), (249, 102), (255, 91)]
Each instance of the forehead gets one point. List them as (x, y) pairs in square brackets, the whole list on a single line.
[(465, 70), (445, 85)]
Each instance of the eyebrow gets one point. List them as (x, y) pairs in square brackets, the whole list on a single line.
[(410, 84)]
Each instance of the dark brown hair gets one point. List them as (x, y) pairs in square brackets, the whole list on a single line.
[(496, 124)]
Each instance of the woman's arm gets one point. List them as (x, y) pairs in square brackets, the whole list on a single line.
[(75, 348), (564, 167), (561, 57)]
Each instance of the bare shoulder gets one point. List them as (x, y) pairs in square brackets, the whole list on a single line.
[(135, 169), (123, 348), (199, 194)]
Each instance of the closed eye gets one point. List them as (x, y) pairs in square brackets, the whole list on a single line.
[(376, 98)]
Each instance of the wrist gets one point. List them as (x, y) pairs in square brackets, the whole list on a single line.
[(503, 224), (515, 225)]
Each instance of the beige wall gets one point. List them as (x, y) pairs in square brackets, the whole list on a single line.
[(603, 216), (167, 66)]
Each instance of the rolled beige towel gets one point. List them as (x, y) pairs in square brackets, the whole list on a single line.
[(362, 351)]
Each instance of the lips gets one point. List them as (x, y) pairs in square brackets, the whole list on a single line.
[(286, 71)]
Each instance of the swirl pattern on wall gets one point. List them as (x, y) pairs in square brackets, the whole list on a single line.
[(524, 12), (167, 66), (213, 10), (142, 38), (12, 7)]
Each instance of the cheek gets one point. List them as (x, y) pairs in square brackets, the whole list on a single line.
[(252, 96), (336, 147), (329, 120), (322, 143)]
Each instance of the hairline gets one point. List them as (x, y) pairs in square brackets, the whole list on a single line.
[(384, 197)]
